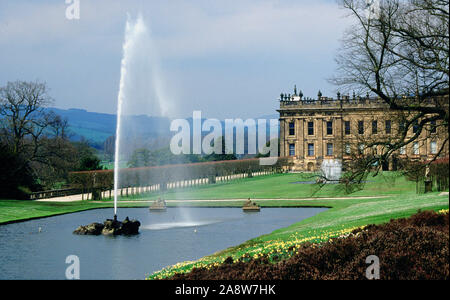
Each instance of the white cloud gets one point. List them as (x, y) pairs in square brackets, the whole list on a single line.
[(213, 53), (183, 28), (254, 27)]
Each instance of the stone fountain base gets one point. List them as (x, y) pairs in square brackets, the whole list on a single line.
[(110, 227)]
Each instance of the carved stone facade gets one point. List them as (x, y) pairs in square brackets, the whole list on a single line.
[(313, 130)]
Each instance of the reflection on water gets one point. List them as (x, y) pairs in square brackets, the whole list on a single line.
[(164, 239)]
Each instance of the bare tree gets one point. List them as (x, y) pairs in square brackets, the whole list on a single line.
[(23, 115), (398, 51), (35, 136)]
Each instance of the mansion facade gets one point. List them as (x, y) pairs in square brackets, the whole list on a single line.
[(312, 130)]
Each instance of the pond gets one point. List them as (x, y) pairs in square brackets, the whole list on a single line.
[(37, 249)]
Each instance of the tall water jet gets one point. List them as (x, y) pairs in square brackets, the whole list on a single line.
[(120, 98), (140, 90)]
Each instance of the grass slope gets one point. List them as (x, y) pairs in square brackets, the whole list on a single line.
[(283, 186)]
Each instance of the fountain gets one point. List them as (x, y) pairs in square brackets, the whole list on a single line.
[(138, 62), (331, 170)]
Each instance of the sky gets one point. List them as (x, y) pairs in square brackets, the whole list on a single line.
[(226, 58)]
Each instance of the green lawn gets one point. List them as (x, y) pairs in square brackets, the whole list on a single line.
[(15, 210), (282, 186)]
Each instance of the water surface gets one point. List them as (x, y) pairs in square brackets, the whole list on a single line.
[(165, 238)]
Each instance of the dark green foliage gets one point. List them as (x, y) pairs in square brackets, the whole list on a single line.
[(15, 176), (87, 160), (90, 164), (439, 172)]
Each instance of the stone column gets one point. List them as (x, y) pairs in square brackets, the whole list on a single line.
[(300, 139), (319, 147), (282, 138)]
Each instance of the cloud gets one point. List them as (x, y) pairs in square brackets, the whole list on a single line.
[(254, 27), (213, 54), (183, 28)]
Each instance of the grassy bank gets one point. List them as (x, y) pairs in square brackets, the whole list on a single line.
[(342, 218), (18, 210)]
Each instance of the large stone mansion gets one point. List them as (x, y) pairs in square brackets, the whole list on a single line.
[(325, 128)]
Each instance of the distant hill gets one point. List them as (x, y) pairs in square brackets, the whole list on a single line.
[(97, 127)]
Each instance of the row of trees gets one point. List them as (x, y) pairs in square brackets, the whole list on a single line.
[(162, 175), (35, 150), (143, 157)]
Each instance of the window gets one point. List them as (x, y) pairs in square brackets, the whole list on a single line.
[(329, 149), (347, 127), (291, 128), (291, 149), (310, 149), (416, 148), (329, 127), (433, 147), (310, 128), (361, 127), (374, 127), (433, 126), (388, 126), (415, 126), (403, 150), (347, 149)]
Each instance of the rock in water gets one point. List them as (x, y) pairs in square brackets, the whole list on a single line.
[(130, 227), (110, 227), (91, 229)]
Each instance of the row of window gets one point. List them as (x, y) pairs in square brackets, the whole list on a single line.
[(415, 148), (387, 127), (347, 149), (310, 149)]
